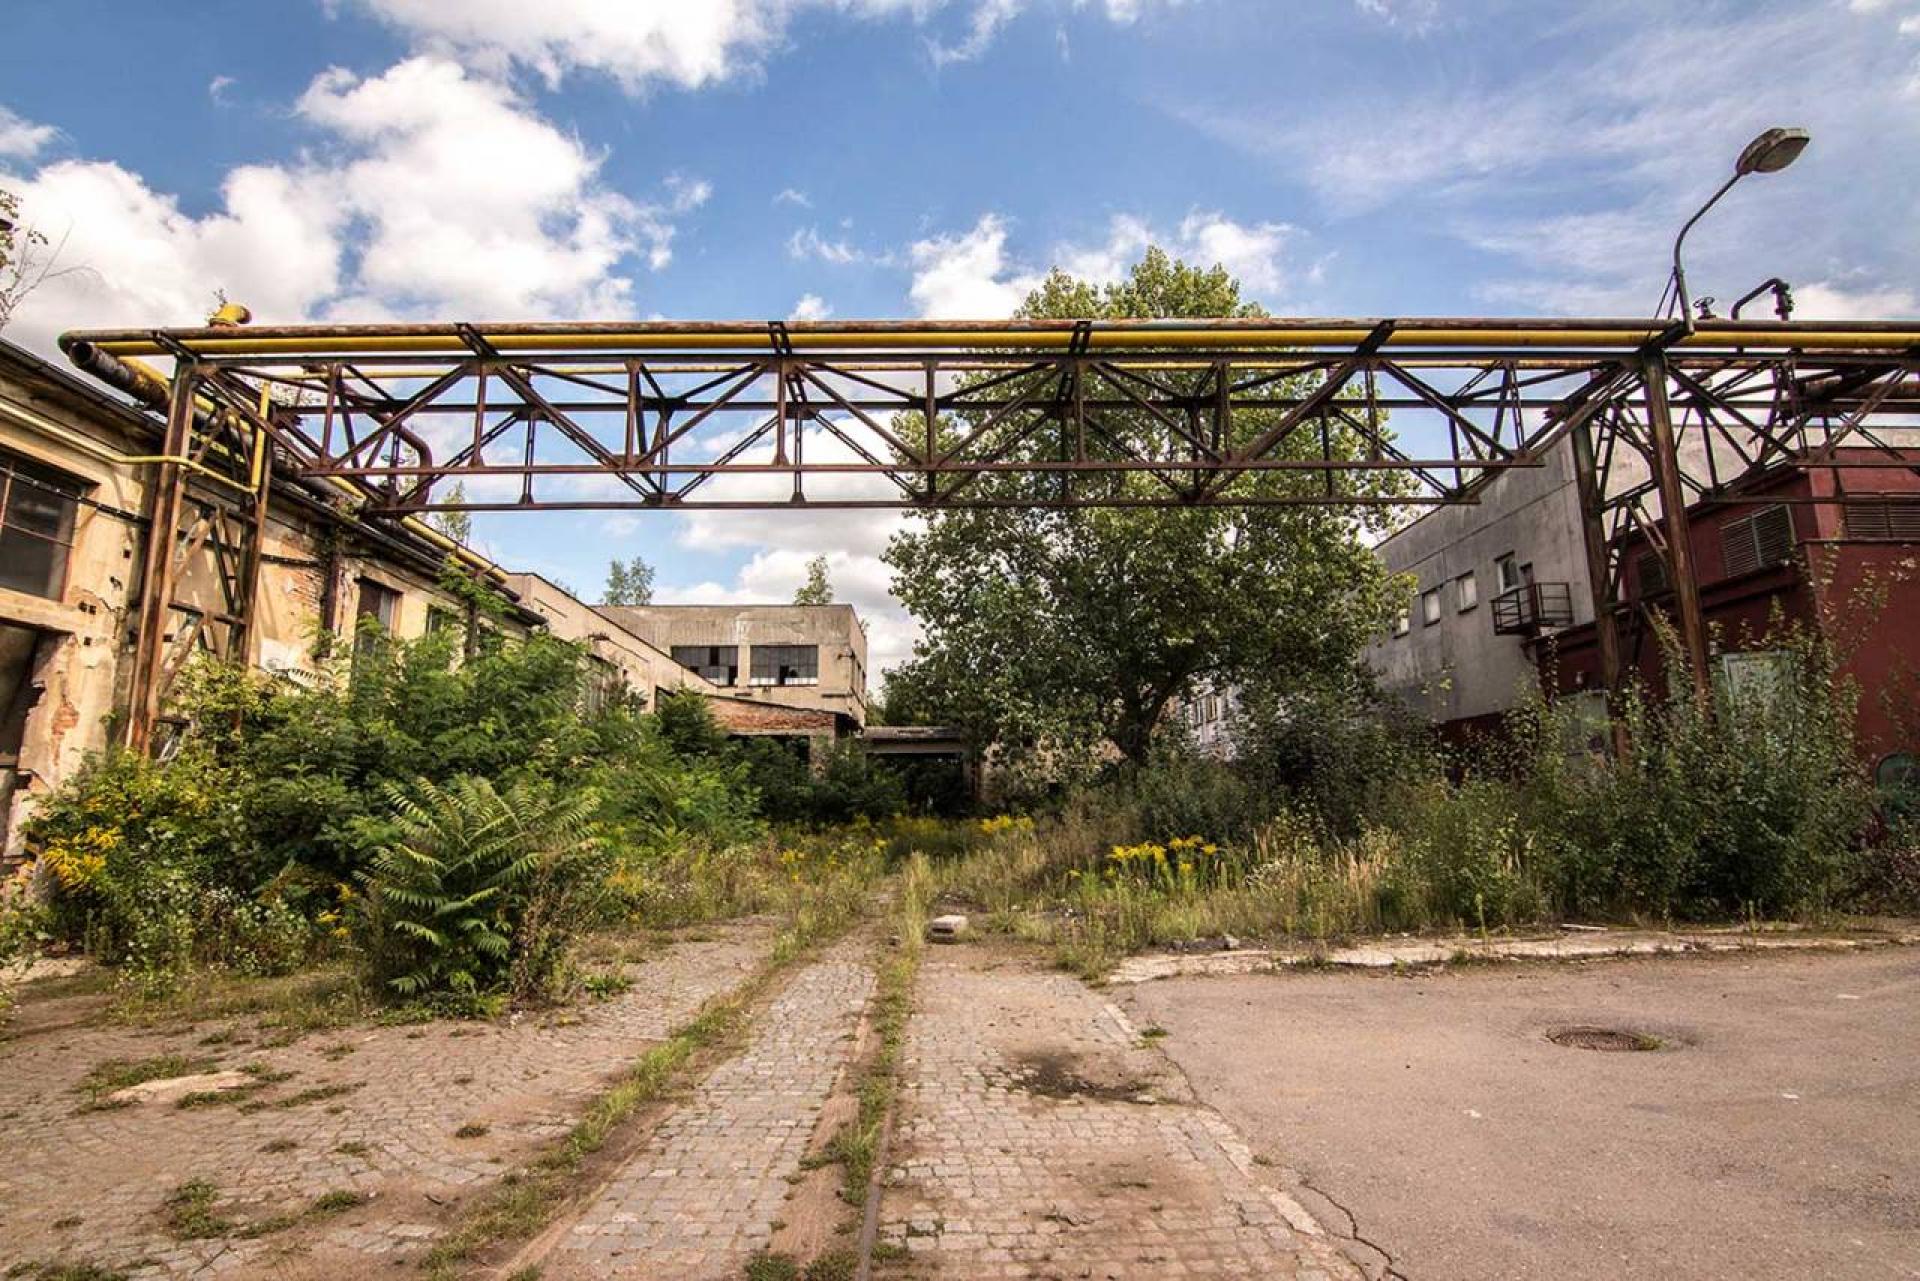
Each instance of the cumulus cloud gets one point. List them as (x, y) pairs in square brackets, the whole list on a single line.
[(22, 139), (974, 275), (401, 211), (811, 307)]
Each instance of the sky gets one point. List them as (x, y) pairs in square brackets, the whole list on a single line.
[(365, 160)]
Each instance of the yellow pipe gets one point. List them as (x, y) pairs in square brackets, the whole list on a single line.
[(1135, 338), (412, 523)]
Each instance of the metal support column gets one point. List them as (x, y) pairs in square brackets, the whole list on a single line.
[(1593, 531), (157, 573), (1673, 515)]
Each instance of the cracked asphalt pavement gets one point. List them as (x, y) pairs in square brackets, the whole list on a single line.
[(1774, 1133)]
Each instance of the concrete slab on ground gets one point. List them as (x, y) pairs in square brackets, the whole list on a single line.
[(1776, 1133), (1569, 944)]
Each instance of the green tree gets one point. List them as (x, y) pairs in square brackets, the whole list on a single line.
[(457, 525), (1064, 629), (629, 583), (816, 590)]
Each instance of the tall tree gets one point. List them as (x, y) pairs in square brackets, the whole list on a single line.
[(457, 525), (816, 590), (1069, 628), (629, 583)]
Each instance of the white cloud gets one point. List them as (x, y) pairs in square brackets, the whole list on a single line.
[(974, 276), (968, 275), (982, 26), (1825, 300), (22, 139), (811, 307), (809, 243), (402, 211), (217, 89), (688, 44), (793, 196)]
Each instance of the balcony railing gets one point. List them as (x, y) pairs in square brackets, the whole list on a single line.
[(1531, 608)]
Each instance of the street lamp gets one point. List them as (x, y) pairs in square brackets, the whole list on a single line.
[(1771, 152)]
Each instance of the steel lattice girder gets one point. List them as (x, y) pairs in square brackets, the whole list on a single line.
[(1200, 413)]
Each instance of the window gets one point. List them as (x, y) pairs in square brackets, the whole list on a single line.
[(1649, 574), (1757, 541), (378, 602), (1888, 518), (1755, 678), (1469, 591), (37, 507), (717, 663), (785, 665), (441, 620), (1430, 607), (1506, 571), (1403, 622)]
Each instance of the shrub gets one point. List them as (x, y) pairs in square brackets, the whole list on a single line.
[(137, 850), (479, 890)]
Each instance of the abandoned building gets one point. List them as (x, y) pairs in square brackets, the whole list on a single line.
[(793, 656), (1503, 601)]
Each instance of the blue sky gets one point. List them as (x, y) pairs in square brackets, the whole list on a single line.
[(499, 159)]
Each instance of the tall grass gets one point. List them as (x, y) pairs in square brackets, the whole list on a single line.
[(1736, 808)]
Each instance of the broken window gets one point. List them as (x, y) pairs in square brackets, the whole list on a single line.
[(37, 508), (786, 665), (378, 604), (719, 664)]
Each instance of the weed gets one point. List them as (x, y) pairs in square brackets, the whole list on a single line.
[(65, 1272), (766, 1266), (834, 1265), (279, 1145), (471, 1130), (353, 1148), (336, 1202), (189, 1212)]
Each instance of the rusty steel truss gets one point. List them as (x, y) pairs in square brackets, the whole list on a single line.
[(935, 416)]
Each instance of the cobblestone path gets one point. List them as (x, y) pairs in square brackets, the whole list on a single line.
[(706, 1191), (411, 1117), (1039, 1136)]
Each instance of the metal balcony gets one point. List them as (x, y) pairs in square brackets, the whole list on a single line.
[(1531, 608)]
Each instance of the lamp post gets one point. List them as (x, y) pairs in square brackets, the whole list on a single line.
[(1771, 152)]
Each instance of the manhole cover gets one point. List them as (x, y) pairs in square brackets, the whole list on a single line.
[(1602, 1038)]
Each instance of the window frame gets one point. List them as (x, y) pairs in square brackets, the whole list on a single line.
[(759, 677), (69, 491), (1430, 607), (1467, 592), (714, 662)]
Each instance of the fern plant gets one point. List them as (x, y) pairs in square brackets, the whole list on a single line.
[(466, 865)]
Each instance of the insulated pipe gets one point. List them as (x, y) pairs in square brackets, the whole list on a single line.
[(754, 337)]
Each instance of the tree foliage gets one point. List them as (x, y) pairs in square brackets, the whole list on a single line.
[(1051, 631), (817, 590), (629, 582)]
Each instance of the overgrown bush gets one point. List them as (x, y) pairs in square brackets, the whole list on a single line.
[(140, 855), (480, 890)]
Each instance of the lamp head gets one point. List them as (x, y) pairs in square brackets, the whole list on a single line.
[(1772, 151)]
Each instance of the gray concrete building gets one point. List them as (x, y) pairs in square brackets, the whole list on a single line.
[(801, 656), (1490, 582)]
